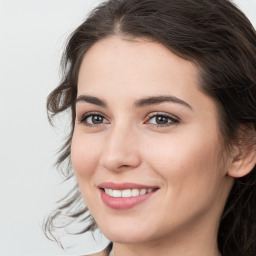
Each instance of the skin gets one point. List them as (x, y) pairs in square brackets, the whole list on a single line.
[(184, 158)]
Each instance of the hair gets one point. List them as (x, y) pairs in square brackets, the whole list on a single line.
[(216, 36)]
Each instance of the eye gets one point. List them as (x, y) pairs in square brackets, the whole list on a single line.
[(162, 120), (91, 119)]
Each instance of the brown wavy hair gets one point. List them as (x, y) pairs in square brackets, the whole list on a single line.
[(216, 36)]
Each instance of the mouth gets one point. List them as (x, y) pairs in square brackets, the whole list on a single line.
[(122, 196), (127, 192)]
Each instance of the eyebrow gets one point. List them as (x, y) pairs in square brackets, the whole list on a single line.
[(160, 99), (92, 100), (138, 103)]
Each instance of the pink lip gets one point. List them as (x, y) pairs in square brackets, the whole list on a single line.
[(124, 203)]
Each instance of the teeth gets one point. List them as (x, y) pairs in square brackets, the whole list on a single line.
[(143, 191), (127, 192), (117, 193), (135, 192), (109, 191)]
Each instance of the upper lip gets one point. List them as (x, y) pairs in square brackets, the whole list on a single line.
[(125, 185)]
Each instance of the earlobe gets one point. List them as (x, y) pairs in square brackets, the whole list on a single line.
[(243, 162)]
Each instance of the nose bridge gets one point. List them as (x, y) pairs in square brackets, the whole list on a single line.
[(120, 150)]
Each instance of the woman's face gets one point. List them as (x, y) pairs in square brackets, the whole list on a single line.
[(144, 126)]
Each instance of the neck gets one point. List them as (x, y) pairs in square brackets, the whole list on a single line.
[(171, 250), (190, 242)]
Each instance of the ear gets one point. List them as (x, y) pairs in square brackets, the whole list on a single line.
[(244, 157)]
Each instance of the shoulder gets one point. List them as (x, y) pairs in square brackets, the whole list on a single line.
[(101, 253), (105, 252)]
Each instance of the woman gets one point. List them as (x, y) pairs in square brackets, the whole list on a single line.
[(163, 102)]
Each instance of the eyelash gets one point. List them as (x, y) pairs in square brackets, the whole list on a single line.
[(90, 114), (171, 119)]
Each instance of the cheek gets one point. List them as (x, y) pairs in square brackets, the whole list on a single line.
[(187, 162), (184, 154), (85, 158), (84, 155), (190, 170)]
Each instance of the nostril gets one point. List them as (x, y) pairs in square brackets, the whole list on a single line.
[(123, 166)]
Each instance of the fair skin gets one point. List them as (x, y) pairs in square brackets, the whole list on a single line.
[(172, 144)]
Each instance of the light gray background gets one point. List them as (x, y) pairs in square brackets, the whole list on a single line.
[(32, 37)]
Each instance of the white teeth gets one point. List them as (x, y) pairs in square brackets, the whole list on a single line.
[(135, 192), (110, 192), (143, 191), (117, 193), (127, 192)]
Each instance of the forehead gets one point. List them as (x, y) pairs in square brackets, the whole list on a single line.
[(122, 63)]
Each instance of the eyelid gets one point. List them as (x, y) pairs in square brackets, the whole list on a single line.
[(91, 113), (175, 119)]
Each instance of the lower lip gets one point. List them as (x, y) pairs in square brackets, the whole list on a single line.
[(123, 203)]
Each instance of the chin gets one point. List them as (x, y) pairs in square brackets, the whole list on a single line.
[(123, 238), (126, 234)]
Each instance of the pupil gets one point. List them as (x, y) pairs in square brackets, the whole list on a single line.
[(161, 120), (97, 119)]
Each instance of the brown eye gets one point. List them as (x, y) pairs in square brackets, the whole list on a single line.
[(96, 119), (93, 119), (162, 120)]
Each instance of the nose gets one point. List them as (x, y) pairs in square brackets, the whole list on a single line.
[(120, 150)]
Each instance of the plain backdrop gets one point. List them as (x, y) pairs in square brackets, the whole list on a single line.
[(32, 37)]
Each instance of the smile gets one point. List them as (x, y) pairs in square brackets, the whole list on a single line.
[(127, 192), (126, 195)]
